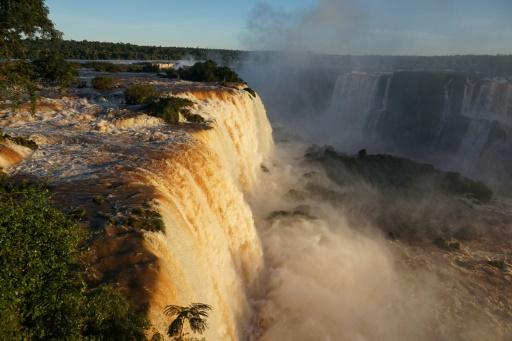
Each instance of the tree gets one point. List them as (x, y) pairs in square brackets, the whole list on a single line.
[(23, 22), (43, 295), (196, 314), (23, 19)]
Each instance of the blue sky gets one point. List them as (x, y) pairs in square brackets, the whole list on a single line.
[(333, 26)]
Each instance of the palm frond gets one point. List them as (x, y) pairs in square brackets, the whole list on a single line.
[(200, 306), (172, 310)]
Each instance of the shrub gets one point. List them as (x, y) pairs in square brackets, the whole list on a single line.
[(104, 83), (42, 294), (170, 108), (141, 94), (209, 71)]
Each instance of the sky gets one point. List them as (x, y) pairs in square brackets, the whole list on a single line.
[(410, 27)]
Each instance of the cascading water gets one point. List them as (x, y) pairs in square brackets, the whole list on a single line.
[(211, 252), (453, 120)]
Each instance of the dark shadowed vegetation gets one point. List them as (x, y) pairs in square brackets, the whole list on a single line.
[(93, 50), (404, 199), (170, 108), (209, 71), (195, 315), (389, 171), (114, 68)]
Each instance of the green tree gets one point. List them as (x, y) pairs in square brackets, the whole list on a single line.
[(23, 19), (195, 314), (42, 293)]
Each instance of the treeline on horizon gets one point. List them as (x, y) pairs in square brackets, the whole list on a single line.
[(95, 50), (498, 65)]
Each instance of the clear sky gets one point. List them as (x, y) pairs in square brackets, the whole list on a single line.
[(334, 26)]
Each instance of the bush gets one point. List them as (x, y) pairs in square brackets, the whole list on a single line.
[(209, 71), (42, 294), (170, 108), (104, 83), (141, 94)]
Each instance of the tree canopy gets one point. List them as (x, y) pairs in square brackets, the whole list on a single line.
[(23, 19)]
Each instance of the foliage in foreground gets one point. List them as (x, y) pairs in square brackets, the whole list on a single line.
[(195, 314), (42, 293)]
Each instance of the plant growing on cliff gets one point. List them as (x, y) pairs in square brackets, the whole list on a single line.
[(170, 108), (195, 314)]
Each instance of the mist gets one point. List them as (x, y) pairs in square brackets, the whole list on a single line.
[(332, 274), (347, 259)]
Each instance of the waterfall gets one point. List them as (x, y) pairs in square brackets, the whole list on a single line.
[(356, 99), (210, 252), (11, 154), (491, 100)]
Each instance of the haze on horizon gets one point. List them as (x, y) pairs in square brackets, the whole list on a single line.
[(391, 27)]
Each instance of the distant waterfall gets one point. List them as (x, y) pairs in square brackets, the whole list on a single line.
[(456, 120)]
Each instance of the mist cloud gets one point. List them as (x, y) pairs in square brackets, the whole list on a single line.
[(396, 27)]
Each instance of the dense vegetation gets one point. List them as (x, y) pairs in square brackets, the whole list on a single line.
[(208, 71), (111, 67), (24, 22), (93, 50), (42, 293)]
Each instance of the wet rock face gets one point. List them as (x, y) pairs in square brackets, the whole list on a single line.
[(457, 121)]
